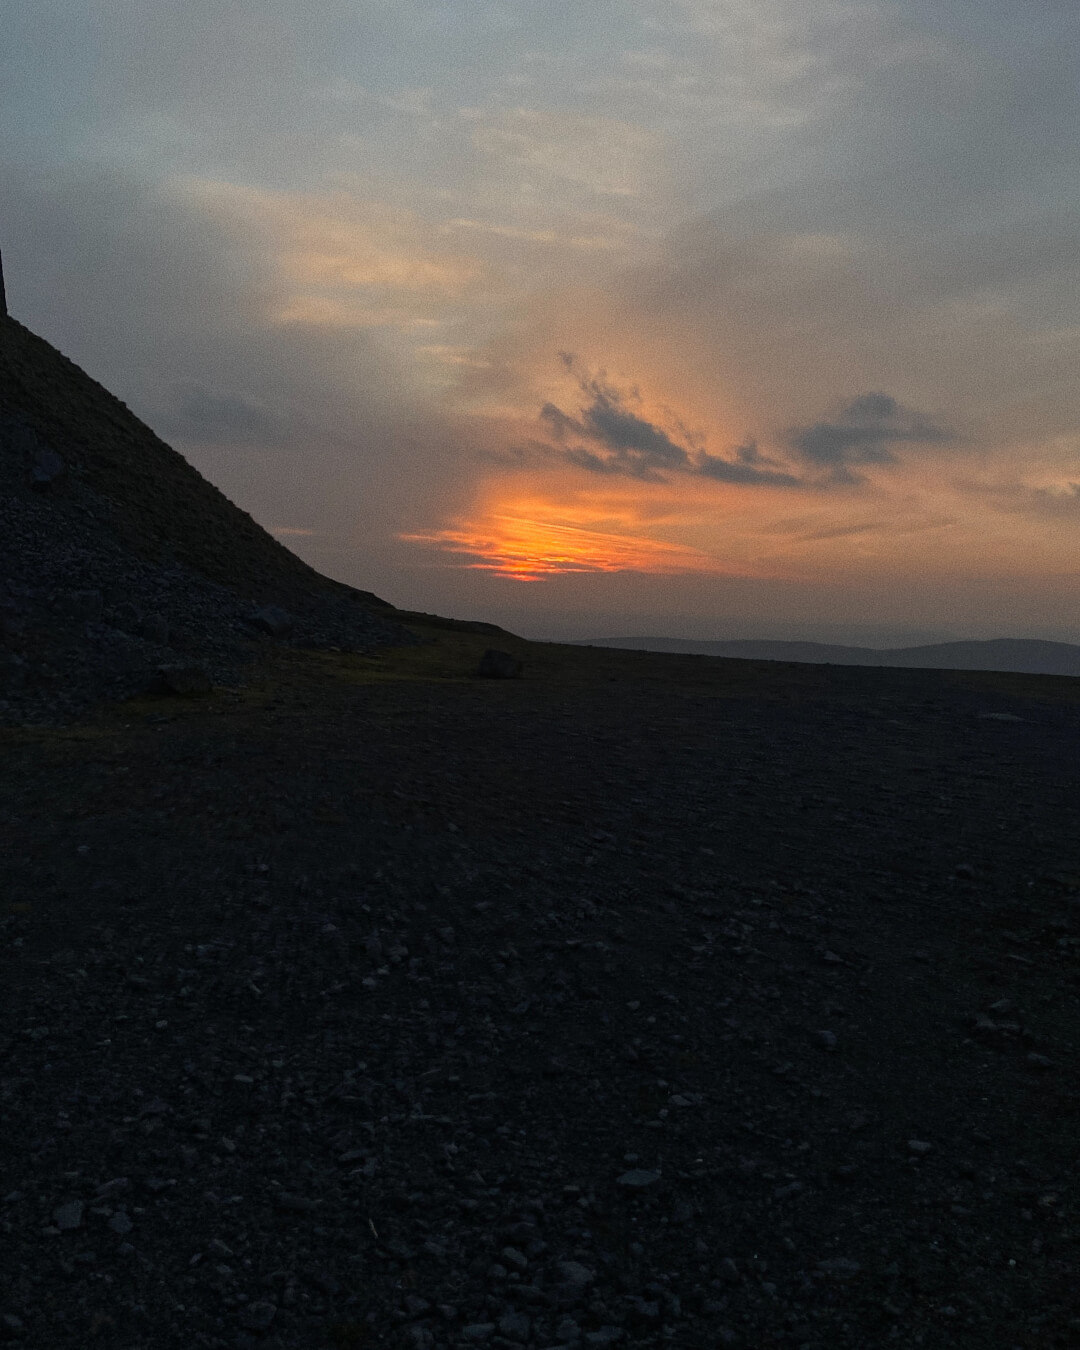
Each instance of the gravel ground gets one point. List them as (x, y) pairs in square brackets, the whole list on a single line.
[(544, 1013)]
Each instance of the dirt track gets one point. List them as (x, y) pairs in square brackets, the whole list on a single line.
[(644, 1001)]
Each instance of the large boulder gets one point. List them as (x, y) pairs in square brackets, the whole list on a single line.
[(496, 665), (182, 681), (47, 469), (273, 620)]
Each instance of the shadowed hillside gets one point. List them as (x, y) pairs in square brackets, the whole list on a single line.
[(155, 502), (122, 569)]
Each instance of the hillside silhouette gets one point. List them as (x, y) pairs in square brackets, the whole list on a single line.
[(154, 502), (119, 561)]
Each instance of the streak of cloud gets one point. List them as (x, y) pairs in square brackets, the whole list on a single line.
[(522, 547)]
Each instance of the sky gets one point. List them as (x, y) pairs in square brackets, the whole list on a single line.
[(702, 318)]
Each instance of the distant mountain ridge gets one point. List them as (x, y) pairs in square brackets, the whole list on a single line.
[(1024, 656)]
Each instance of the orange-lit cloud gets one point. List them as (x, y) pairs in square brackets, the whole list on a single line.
[(525, 542)]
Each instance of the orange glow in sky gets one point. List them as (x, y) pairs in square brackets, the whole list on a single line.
[(524, 548)]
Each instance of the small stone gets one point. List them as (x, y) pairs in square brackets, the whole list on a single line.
[(185, 681), (638, 1178), (68, 1216), (832, 959), (478, 1332), (294, 1204), (12, 1326), (113, 1187), (567, 1329), (47, 469), (964, 871), (1037, 1061), (155, 629), (120, 1223), (729, 1271), (85, 605), (825, 1040), (513, 1257), (322, 1279), (573, 1275), (515, 1326), (606, 1335), (258, 1316), (919, 1147), (838, 1267), (127, 616)]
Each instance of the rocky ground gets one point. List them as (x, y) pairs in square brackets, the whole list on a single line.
[(602, 1008)]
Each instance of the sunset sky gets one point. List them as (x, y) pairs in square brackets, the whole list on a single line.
[(705, 318)]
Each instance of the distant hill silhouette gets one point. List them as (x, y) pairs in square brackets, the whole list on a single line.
[(1026, 656)]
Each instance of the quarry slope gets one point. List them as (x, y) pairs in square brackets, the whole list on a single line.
[(119, 561)]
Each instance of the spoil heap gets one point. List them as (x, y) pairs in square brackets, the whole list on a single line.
[(118, 560)]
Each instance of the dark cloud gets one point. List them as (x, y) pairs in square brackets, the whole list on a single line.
[(747, 465), (628, 444), (865, 432), (622, 442)]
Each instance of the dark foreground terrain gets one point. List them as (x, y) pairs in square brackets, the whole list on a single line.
[(645, 1001)]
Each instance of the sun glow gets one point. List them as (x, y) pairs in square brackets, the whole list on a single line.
[(528, 548)]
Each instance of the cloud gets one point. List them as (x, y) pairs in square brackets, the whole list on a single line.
[(865, 431), (749, 466), (624, 443)]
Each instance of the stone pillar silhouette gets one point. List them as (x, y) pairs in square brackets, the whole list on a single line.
[(3, 296)]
